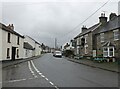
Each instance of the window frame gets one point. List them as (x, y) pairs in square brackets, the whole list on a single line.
[(18, 40), (108, 52), (17, 53), (9, 38), (86, 36), (8, 52), (102, 37), (116, 34)]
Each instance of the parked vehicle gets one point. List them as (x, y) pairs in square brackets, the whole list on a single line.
[(57, 54)]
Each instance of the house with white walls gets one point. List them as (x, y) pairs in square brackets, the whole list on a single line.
[(38, 49), (11, 43), (31, 47)]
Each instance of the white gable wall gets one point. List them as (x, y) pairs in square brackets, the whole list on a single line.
[(0, 44), (13, 40)]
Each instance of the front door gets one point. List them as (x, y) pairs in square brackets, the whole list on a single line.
[(13, 53)]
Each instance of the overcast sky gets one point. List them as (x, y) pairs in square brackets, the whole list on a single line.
[(45, 20)]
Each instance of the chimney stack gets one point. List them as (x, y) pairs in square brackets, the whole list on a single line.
[(103, 19), (112, 16), (84, 28), (10, 26)]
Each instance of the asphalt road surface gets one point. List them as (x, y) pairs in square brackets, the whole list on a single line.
[(49, 71)]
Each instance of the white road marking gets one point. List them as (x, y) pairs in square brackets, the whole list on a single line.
[(17, 80), (35, 67), (46, 79), (30, 68), (42, 75), (51, 83)]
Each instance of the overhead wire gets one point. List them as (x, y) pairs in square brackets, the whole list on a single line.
[(75, 28)]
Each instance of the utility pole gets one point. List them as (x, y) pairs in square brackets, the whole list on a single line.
[(55, 43)]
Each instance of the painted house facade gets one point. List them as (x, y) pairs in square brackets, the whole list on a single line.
[(31, 47), (11, 43)]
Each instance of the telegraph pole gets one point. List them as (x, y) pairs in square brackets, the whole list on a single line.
[(55, 43)]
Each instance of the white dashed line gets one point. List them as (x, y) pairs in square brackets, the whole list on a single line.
[(46, 79), (42, 75), (51, 83)]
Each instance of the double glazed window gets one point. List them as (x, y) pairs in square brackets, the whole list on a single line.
[(108, 51)]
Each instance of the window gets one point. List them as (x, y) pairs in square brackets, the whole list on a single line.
[(86, 49), (8, 52), (26, 53), (102, 37), (17, 53), (108, 51), (8, 37), (18, 40), (86, 36), (105, 52), (116, 34)]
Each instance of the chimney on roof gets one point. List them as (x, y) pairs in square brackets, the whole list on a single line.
[(112, 16), (10, 26), (84, 28), (103, 19)]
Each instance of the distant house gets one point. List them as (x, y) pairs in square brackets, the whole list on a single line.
[(31, 47), (11, 43), (108, 39)]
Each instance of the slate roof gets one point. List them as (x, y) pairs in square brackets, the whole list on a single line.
[(28, 46), (88, 30), (3, 27), (34, 40), (111, 25)]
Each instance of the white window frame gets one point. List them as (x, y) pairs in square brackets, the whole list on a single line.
[(78, 41), (116, 34), (86, 50), (102, 37), (86, 36), (108, 52)]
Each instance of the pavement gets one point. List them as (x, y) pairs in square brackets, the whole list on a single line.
[(109, 66), (18, 61)]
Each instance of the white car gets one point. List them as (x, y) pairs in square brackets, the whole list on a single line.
[(57, 54)]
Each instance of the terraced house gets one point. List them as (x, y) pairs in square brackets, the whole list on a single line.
[(101, 39), (108, 39), (85, 40), (31, 47), (11, 43)]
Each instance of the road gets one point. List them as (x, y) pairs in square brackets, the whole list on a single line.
[(49, 71)]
